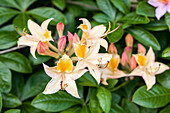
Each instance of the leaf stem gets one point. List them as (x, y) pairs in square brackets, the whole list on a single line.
[(121, 85)]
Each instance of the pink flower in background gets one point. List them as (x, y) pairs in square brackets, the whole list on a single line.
[(162, 6)]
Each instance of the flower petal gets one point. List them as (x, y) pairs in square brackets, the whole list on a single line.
[(44, 25), (154, 3), (27, 40), (150, 80), (77, 74), (86, 22), (150, 57), (103, 43), (80, 65), (119, 74), (32, 50), (137, 72), (51, 71), (97, 31), (53, 86), (72, 88), (106, 74), (160, 11)]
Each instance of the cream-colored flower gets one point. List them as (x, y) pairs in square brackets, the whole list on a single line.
[(39, 33), (111, 71), (148, 68), (94, 34), (90, 57), (63, 77)]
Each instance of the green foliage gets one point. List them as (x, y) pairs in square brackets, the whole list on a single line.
[(13, 111), (166, 52), (164, 79)]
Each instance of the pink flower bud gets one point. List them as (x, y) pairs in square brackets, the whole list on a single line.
[(76, 38), (60, 29), (70, 39), (129, 40), (124, 58), (42, 48), (128, 49), (112, 48), (132, 63), (141, 49), (61, 43)]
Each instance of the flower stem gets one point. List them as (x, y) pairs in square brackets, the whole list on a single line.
[(52, 46), (121, 85)]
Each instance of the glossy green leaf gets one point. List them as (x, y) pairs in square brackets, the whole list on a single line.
[(59, 4), (121, 5), (0, 102), (107, 8), (44, 13), (156, 97), (115, 98), (156, 25), (85, 109), (104, 97), (145, 9), (55, 102), (75, 109), (16, 61), (164, 79), (8, 27), (24, 4), (148, 110), (40, 59), (116, 35), (10, 101), (129, 107), (166, 52), (87, 80), (167, 19), (133, 18), (94, 105), (6, 14), (144, 37), (13, 111), (91, 93), (35, 84), (10, 3), (111, 83), (116, 109), (101, 18), (5, 78), (8, 39), (21, 22), (165, 110)]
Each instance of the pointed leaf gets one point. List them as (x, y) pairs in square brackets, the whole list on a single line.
[(121, 5), (164, 79), (40, 59), (165, 110), (129, 107), (0, 102), (167, 19), (116, 109), (166, 52), (101, 18), (13, 111), (59, 3)]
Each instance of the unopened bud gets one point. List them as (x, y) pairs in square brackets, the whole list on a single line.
[(112, 48), (76, 38), (132, 63), (141, 49), (60, 29), (129, 40), (61, 43), (70, 39), (128, 49), (42, 48), (124, 58)]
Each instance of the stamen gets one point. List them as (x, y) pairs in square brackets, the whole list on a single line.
[(106, 65), (18, 31)]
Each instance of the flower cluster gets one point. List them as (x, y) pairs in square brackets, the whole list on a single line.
[(102, 66)]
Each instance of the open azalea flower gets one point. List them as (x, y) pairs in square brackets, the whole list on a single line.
[(90, 57), (63, 77), (39, 33), (94, 34), (148, 68), (162, 6)]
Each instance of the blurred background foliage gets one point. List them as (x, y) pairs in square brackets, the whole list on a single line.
[(22, 78)]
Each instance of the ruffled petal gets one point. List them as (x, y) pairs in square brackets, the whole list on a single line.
[(150, 80)]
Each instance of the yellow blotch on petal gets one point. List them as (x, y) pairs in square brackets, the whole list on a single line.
[(81, 50), (114, 62), (65, 64), (141, 60), (83, 27), (47, 34), (163, 1)]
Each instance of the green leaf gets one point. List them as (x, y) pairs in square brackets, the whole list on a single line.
[(87, 80), (0, 102), (115, 98), (8, 27), (156, 97), (8, 39), (148, 110), (164, 79), (27, 108), (166, 52), (107, 8), (35, 84), (167, 19), (5, 78), (13, 111), (10, 3), (144, 37), (17, 62), (44, 13), (133, 18), (104, 97), (157, 25), (10, 100), (116, 35), (101, 18), (85, 109), (21, 22), (74, 109), (6, 14), (116, 109), (121, 5), (111, 83), (94, 105), (129, 107), (55, 102), (165, 110), (91, 93), (59, 3), (40, 59), (24, 4), (145, 9)]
